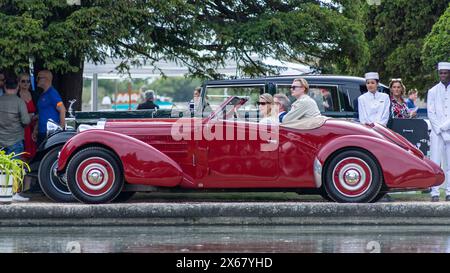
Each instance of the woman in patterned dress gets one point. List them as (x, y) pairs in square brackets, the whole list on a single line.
[(399, 109)]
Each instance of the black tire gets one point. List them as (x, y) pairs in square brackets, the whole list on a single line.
[(378, 197), (94, 176), (52, 186), (353, 176), (124, 196)]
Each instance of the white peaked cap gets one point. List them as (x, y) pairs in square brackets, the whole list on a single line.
[(444, 65), (372, 76)]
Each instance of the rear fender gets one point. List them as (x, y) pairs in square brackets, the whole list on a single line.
[(57, 139), (399, 167), (142, 163)]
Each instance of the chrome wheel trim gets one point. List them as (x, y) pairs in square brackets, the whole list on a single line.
[(94, 176), (348, 167), (109, 176)]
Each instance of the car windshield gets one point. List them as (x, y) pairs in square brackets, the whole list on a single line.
[(233, 108)]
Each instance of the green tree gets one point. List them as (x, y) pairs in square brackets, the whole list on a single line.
[(201, 35), (396, 30), (436, 47)]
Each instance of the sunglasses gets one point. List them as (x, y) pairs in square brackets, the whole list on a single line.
[(396, 80), (262, 103), (293, 87), (443, 72)]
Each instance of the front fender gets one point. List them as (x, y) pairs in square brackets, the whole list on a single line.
[(142, 163), (400, 168)]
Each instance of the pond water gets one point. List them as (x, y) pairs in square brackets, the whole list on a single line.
[(230, 239)]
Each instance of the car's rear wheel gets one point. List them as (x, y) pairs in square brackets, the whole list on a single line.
[(94, 175), (353, 176), (53, 187)]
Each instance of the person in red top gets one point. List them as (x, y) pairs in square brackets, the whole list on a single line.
[(26, 95)]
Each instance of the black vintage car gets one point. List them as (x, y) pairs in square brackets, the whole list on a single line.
[(342, 103), (45, 160), (344, 91)]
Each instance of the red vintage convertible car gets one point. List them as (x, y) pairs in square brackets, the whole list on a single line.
[(229, 151)]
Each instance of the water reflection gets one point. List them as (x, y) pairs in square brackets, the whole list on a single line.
[(238, 239)]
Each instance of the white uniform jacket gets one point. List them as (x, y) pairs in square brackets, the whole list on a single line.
[(438, 108), (374, 108)]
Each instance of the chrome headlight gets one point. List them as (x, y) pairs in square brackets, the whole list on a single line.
[(52, 127)]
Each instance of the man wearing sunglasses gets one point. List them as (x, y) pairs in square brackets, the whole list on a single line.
[(50, 106), (304, 106), (438, 107)]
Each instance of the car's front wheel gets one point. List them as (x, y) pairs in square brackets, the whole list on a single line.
[(94, 176), (353, 176)]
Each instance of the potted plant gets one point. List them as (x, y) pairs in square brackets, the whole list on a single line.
[(12, 172)]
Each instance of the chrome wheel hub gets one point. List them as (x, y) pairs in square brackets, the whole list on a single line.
[(95, 177), (352, 177)]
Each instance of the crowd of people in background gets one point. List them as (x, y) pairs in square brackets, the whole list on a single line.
[(378, 107), (24, 114)]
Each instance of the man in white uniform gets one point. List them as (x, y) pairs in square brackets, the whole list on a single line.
[(438, 107), (373, 106)]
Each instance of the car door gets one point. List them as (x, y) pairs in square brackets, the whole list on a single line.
[(243, 153)]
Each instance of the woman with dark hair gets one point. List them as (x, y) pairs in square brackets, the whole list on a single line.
[(373, 106), (26, 95)]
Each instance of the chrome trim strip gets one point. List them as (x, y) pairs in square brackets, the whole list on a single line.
[(317, 173)]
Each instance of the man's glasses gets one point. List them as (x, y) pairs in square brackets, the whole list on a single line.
[(262, 103), (293, 87), (443, 72)]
